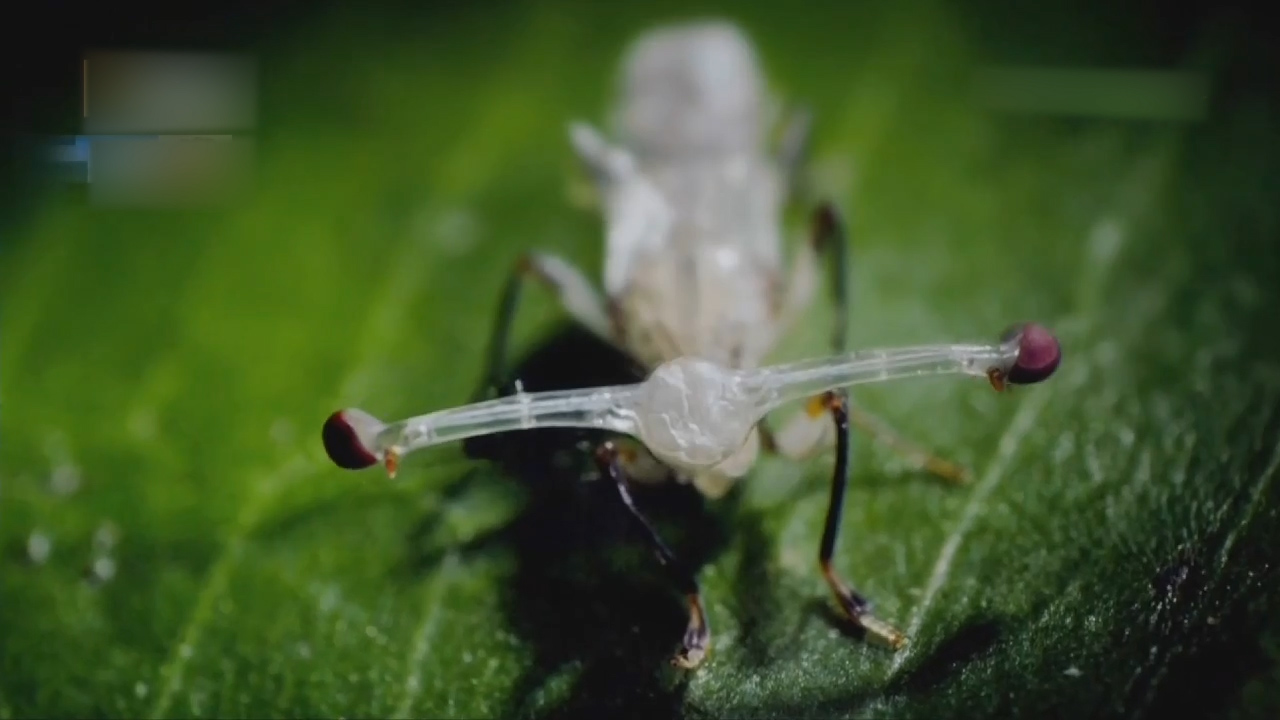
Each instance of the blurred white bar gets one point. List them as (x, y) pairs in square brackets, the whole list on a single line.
[(178, 170), (158, 92), (1113, 94), (68, 154)]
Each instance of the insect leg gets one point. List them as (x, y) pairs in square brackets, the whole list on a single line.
[(914, 453), (802, 284), (579, 299), (639, 465), (830, 237), (809, 432), (596, 158), (606, 162), (854, 605), (793, 149), (829, 234), (697, 636)]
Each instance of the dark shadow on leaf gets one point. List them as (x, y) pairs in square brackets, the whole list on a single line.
[(823, 608), (1204, 668), (427, 548), (587, 597), (973, 640), (755, 591), (836, 703), (1209, 631), (321, 511)]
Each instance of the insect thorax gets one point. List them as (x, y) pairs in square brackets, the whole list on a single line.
[(712, 302), (706, 279)]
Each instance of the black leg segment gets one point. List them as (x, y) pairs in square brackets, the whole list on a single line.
[(830, 237), (856, 607), (497, 356), (697, 636)]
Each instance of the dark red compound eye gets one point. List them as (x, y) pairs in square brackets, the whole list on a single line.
[(343, 444), (1039, 354)]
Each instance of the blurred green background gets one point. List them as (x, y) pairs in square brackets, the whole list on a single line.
[(177, 545)]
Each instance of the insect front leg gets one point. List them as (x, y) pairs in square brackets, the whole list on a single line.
[(829, 237), (697, 635), (577, 296), (606, 162), (602, 162)]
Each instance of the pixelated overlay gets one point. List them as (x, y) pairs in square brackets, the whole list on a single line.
[(168, 92), (65, 159), (1118, 94), (150, 170), (168, 170), (159, 129)]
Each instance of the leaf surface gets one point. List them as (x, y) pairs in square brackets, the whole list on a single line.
[(166, 376)]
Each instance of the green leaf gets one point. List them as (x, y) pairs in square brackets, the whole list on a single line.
[(166, 375)]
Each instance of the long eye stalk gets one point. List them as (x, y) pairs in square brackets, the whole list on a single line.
[(354, 439)]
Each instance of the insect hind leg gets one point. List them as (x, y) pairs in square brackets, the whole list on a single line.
[(697, 636), (808, 433), (831, 231), (914, 453)]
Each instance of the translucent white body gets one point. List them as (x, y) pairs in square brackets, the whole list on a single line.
[(694, 289), (692, 198)]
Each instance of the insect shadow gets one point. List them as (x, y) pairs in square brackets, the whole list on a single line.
[(975, 638), (587, 597)]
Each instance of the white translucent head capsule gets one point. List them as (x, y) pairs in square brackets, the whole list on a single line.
[(690, 413), (692, 87)]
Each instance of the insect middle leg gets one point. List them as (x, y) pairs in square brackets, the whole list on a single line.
[(810, 431), (856, 607), (697, 635), (801, 442), (829, 237), (577, 296)]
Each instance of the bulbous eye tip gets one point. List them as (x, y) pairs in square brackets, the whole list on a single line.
[(343, 444), (1039, 354)]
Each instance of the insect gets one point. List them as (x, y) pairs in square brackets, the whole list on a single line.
[(696, 288), (691, 414)]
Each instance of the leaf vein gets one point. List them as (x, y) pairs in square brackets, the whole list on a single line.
[(422, 637), (384, 311), (1021, 424), (1088, 286)]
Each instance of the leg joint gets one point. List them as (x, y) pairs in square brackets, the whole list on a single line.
[(827, 225), (835, 402)]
